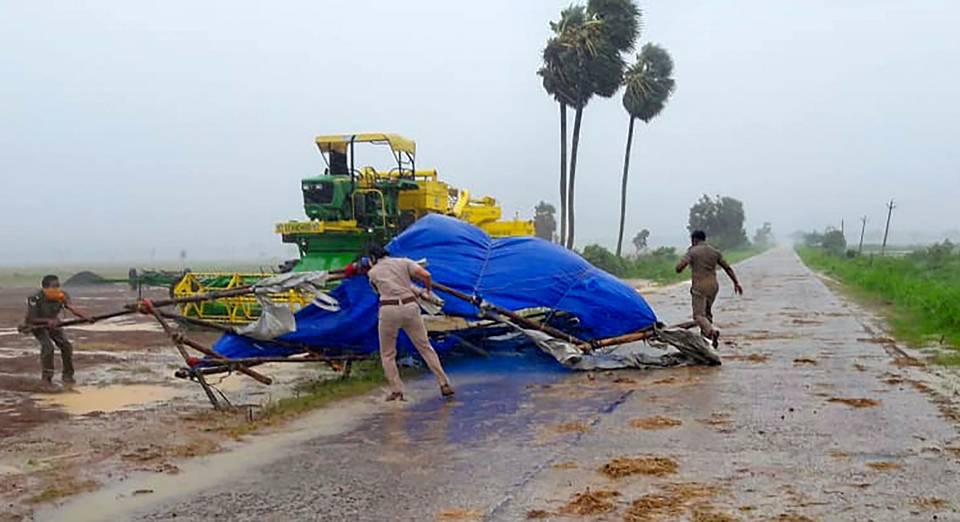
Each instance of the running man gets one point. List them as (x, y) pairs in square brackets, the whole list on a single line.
[(703, 260)]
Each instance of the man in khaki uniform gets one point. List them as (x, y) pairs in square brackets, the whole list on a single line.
[(391, 278), (703, 260), (43, 312)]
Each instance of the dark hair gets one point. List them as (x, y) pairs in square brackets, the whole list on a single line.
[(48, 279), (378, 252), (698, 234)]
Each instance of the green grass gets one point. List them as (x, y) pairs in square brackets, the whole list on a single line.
[(365, 376), (921, 291)]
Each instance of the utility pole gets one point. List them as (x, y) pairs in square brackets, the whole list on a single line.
[(842, 232), (863, 227), (886, 230)]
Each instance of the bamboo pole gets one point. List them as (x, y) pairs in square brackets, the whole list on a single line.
[(519, 319), (186, 358), (263, 379)]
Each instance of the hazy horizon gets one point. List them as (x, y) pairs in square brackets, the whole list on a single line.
[(134, 131)]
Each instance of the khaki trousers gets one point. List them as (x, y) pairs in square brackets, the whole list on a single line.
[(406, 317), (48, 337), (703, 299)]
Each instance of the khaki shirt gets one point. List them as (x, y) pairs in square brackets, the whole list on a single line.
[(39, 307), (390, 277), (703, 260)]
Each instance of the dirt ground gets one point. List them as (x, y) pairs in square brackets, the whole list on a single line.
[(127, 412)]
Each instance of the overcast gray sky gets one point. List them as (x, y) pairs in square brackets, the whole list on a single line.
[(131, 129)]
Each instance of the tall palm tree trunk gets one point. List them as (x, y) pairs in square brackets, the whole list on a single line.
[(563, 173), (623, 186), (573, 175)]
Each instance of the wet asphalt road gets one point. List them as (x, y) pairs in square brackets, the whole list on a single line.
[(759, 433)]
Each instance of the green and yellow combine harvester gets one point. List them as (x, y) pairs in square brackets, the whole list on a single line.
[(349, 207)]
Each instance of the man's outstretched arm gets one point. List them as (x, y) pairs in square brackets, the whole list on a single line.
[(423, 275), (79, 313), (682, 264), (732, 275)]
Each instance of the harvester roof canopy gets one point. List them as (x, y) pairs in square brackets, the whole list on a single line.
[(339, 142)]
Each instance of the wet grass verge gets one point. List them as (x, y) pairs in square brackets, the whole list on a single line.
[(918, 294), (365, 376)]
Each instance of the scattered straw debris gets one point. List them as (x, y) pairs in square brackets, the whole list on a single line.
[(591, 503), (883, 465), (708, 513), (837, 454), (565, 465), (655, 422), (653, 507), (806, 321), (535, 514), (893, 380), (856, 403), (571, 427), (792, 517), (459, 514), (800, 361), (670, 502), (625, 466), (624, 380), (666, 380), (929, 502), (903, 362), (717, 419), (859, 367), (755, 358), (876, 340)]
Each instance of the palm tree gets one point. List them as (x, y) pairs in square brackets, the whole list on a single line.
[(649, 85), (601, 65), (557, 82), (583, 59)]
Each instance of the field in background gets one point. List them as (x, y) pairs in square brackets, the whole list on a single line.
[(658, 265), (921, 289), (30, 275)]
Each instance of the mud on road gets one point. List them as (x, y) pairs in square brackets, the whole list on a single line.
[(815, 415)]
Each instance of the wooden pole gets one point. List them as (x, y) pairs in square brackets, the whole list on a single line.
[(863, 228), (519, 319), (263, 379), (186, 359), (620, 339), (886, 230)]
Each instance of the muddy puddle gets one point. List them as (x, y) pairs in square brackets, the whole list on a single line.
[(86, 399)]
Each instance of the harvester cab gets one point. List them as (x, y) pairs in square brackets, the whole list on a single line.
[(353, 204), (349, 192)]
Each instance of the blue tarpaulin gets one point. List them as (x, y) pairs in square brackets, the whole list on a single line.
[(514, 273)]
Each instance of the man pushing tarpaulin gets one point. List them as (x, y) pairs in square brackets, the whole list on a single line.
[(587, 317)]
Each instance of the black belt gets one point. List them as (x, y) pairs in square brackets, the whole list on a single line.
[(395, 302)]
